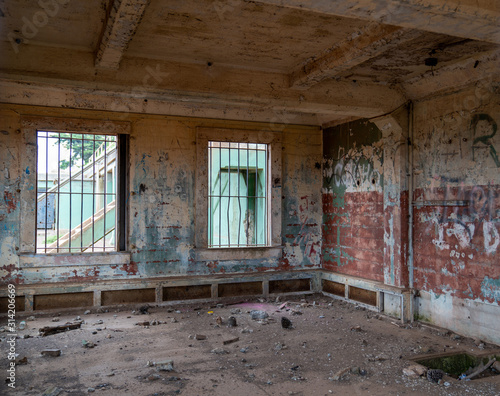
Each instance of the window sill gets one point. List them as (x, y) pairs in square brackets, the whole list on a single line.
[(247, 253), (27, 260)]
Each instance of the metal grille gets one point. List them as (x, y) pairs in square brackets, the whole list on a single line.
[(237, 194), (76, 192)]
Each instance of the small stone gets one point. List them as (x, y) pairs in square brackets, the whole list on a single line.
[(77, 319), (90, 390), (279, 346), (236, 311), (220, 305), (200, 337), (286, 323), (481, 346), (51, 352), (219, 351), (144, 309), (231, 322), (53, 391), (94, 332), (447, 384), (165, 365), (244, 350), (218, 320), (355, 370), (259, 315), (22, 361), (496, 366), (246, 330), (154, 377), (22, 325), (87, 312), (356, 328), (339, 375), (173, 320), (230, 341), (418, 369), (410, 373), (55, 319), (30, 318), (99, 322), (88, 344)]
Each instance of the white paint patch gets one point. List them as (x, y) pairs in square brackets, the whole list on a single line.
[(491, 237)]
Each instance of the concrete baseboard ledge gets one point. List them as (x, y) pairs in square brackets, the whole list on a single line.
[(30, 260), (247, 253)]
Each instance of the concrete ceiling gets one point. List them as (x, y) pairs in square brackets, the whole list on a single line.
[(284, 61)]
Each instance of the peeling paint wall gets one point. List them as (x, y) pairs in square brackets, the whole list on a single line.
[(301, 205), (457, 212), (161, 203), (10, 178), (353, 202)]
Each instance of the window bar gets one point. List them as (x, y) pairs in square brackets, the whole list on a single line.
[(105, 189), (266, 220), (81, 196), (229, 196), (247, 214), (58, 185), (46, 186), (256, 190), (70, 191), (239, 200), (267, 196), (210, 222), (220, 194), (93, 193)]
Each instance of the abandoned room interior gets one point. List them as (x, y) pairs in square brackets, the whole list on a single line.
[(342, 154)]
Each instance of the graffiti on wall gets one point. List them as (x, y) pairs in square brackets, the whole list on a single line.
[(306, 239), (472, 225), (473, 221), (484, 130), (360, 169)]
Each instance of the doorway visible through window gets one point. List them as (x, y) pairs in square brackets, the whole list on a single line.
[(237, 194)]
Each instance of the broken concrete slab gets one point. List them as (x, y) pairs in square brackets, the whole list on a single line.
[(231, 340), (49, 330), (51, 352)]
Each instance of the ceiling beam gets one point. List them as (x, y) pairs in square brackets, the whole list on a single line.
[(481, 69), (371, 41), (472, 19), (121, 25)]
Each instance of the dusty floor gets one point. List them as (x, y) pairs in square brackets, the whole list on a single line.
[(327, 337)]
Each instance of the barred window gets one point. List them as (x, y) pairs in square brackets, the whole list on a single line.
[(77, 178), (238, 194)]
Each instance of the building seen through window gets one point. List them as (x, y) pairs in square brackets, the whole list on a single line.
[(76, 192)]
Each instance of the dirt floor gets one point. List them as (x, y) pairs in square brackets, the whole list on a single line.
[(334, 347)]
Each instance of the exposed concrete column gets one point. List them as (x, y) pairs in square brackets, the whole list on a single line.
[(396, 244)]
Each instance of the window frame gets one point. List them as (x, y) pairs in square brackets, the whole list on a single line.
[(30, 125), (274, 141)]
